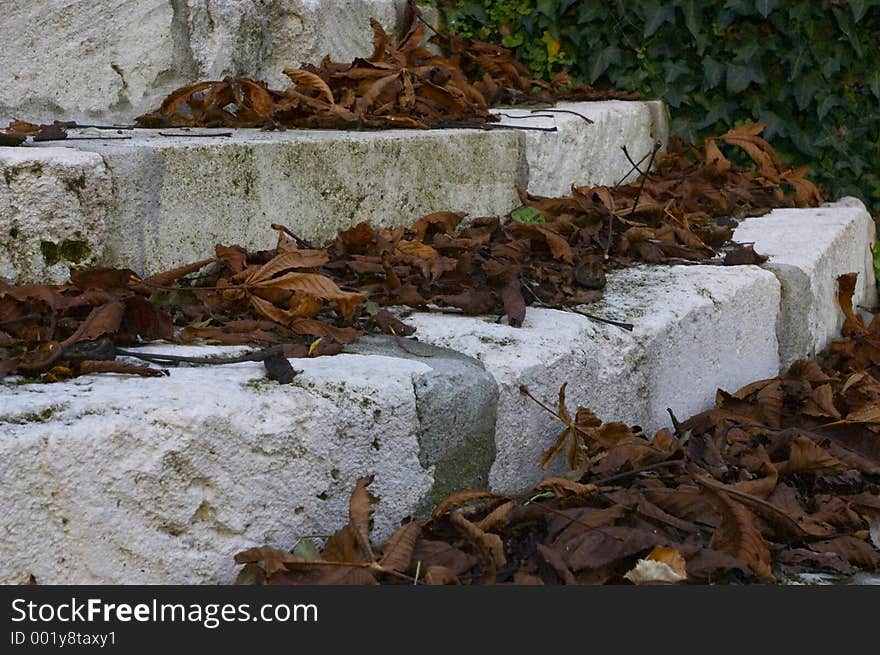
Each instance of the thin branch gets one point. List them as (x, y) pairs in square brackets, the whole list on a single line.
[(197, 134), (301, 243), (635, 166), (566, 111), (645, 177), (620, 476), (523, 389), (158, 358), (501, 113), (629, 327)]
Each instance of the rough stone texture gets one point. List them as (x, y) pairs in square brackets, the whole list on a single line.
[(175, 197), (110, 479), (457, 402), (53, 207), (808, 250), (111, 60), (697, 328), (178, 196), (583, 153)]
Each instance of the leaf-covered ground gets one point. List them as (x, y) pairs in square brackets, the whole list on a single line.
[(302, 300), (782, 476)]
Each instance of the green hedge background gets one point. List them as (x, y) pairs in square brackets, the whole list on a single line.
[(809, 69)]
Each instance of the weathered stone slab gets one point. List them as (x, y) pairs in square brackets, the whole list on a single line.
[(457, 402), (697, 328), (53, 212), (174, 197), (114, 479), (808, 249), (112, 60), (584, 153)]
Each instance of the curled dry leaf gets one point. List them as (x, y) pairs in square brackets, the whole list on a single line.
[(360, 512), (662, 565), (738, 536)]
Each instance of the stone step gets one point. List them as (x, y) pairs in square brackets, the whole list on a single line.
[(110, 60), (808, 250), (114, 480), (163, 479), (150, 202)]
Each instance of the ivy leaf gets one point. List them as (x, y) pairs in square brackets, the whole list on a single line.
[(874, 83), (859, 7), (553, 44), (830, 66), (845, 22), (827, 104), (764, 7), (805, 88), (659, 14), (602, 61), (527, 215), (739, 77), (712, 73)]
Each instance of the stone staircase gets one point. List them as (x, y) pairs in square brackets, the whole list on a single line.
[(109, 479)]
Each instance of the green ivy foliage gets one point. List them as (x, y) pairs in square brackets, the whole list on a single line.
[(809, 69)]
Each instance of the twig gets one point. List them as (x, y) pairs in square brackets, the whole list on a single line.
[(501, 113), (90, 138), (629, 327), (301, 243), (497, 126), (373, 566), (651, 467), (565, 111), (523, 389), (170, 360), (635, 166), (76, 126), (654, 152), (418, 15), (198, 134), (490, 126)]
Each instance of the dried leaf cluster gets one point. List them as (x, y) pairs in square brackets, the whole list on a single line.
[(400, 85), (263, 298), (312, 300), (782, 476)]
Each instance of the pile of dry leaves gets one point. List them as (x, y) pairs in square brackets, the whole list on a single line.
[(782, 475), (311, 301), (400, 85)]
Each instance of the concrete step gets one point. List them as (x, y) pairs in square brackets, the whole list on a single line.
[(114, 480), (150, 202), (110, 60), (808, 250)]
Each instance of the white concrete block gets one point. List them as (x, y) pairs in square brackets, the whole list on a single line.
[(175, 197), (808, 249), (53, 211), (581, 153), (697, 328), (112, 60), (114, 479)]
